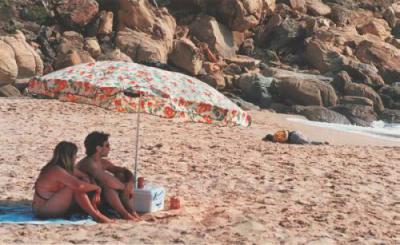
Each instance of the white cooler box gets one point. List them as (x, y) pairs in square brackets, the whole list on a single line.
[(149, 199)]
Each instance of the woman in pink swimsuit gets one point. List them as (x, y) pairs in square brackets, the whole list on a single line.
[(58, 187)]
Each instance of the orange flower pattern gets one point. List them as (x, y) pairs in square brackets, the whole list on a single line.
[(117, 85)]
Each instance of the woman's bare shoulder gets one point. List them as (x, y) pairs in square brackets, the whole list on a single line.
[(56, 170)]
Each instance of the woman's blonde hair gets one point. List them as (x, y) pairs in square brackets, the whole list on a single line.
[(63, 156)]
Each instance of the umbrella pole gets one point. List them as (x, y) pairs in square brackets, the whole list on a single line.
[(137, 141)]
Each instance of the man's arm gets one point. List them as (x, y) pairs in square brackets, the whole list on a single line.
[(118, 171), (104, 178), (124, 175)]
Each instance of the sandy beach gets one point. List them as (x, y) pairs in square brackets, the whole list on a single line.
[(234, 187)]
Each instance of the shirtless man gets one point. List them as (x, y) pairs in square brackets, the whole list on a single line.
[(116, 182)]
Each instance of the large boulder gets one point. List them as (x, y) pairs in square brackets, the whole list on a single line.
[(9, 91), (317, 8), (8, 65), (244, 62), (326, 51), (361, 115), (279, 33), (360, 17), (69, 41), (282, 74), (299, 5), (216, 80), (340, 14), (356, 100), (71, 51), (28, 61), (322, 55), (106, 22), (378, 27), (187, 56), (391, 116), (391, 96), (254, 88), (141, 16), (263, 33), (218, 37), (240, 15), (141, 47), (341, 80), (77, 13), (92, 46), (73, 57), (362, 90), (115, 55), (145, 32), (321, 114), (295, 91), (384, 56), (361, 72), (325, 48)]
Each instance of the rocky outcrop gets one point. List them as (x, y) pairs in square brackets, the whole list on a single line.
[(9, 91), (141, 47), (106, 23), (77, 13), (321, 114), (8, 65), (317, 8), (17, 59), (362, 90), (282, 74), (217, 36), (391, 96), (145, 32), (295, 91), (384, 56), (356, 100), (28, 61), (378, 27), (240, 15), (187, 56), (358, 114), (141, 16), (391, 116), (71, 50), (322, 55), (254, 88)]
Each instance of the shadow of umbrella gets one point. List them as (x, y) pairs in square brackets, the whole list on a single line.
[(131, 87)]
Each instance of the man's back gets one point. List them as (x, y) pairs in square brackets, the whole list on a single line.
[(84, 165)]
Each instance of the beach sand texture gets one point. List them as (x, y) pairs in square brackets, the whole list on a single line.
[(234, 187)]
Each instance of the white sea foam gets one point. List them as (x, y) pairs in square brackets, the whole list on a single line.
[(378, 129)]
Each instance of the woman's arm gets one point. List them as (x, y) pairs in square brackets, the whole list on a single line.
[(73, 182), (81, 175)]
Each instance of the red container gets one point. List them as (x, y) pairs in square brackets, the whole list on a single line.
[(174, 203), (140, 183)]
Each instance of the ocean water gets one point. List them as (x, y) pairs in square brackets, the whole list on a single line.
[(378, 129)]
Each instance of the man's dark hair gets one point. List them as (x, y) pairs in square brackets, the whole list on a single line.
[(268, 137), (93, 140)]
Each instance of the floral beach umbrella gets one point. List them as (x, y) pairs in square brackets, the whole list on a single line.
[(131, 87)]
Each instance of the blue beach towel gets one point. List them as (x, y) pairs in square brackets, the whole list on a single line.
[(22, 214)]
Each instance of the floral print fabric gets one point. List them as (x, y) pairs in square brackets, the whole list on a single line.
[(122, 86)]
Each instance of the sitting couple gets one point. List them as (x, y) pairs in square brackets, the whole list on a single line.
[(62, 184)]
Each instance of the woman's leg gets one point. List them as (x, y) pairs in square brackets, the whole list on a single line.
[(84, 202), (57, 205)]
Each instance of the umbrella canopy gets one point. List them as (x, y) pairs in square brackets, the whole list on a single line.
[(122, 86)]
